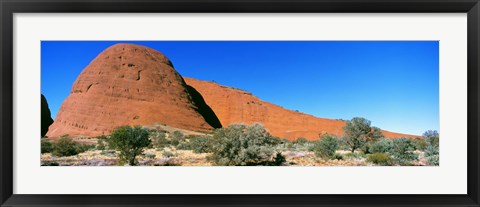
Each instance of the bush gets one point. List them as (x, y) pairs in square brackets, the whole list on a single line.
[(200, 144), (432, 150), (46, 146), (130, 142), (403, 151), (159, 139), (177, 138), (381, 146), (380, 159), (338, 156), (167, 154), (326, 147), (65, 146), (244, 145), (150, 156), (100, 144), (420, 144), (358, 133)]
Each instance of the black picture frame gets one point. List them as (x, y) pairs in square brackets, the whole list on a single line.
[(9, 7)]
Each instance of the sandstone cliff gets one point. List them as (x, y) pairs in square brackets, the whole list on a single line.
[(237, 106), (129, 85)]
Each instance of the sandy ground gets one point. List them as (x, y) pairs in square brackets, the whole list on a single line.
[(154, 157)]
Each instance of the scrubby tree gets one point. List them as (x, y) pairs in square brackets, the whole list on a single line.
[(382, 146), (159, 138), (359, 133), (432, 148), (200, 144), (130, 141), (66, 146), (245, 145), (46, 146), (177, 138), (326, 147), (403, 151)]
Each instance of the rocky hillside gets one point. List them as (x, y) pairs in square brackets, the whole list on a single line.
[(130, 85), (237, 106)]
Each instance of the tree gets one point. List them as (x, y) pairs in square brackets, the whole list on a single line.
[(432, 149), (130, 142), (403, 151), (358, 133), (326, 147), (245, 145)]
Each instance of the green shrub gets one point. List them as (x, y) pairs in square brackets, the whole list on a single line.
[(359, 133), (380, 159), (403, 151), (65, 146), (159, 139), (433, 160), (100, 144), (420, 144), (338, 156), (381, 146), (326, 147), (130, 142), (167, 154), (46, 146), (432, 153), (244, 145), (201, 144), (177, 137), (150, 156)]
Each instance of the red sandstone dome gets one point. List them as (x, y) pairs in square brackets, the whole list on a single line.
[(237, 106), (128, 85)]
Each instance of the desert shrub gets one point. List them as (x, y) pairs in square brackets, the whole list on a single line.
[(381, 146), (244, 145), (159, 139), (326, 147), (380, 159), (403, 151), (85, 147), (300, 140), (432, 150), (420, 144), (167, 154), (359, 133), (130, 142), (338, 156), (177, 137), (46, 146), (100, 144), (200, 144), (65, 146), (433, 160), (150, 156)]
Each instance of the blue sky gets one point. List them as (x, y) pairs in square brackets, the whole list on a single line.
[(392, 83)]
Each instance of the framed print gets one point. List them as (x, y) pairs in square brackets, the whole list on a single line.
[(239, 103)]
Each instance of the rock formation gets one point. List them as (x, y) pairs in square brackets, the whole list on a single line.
[(46, 116), (129, 85), (237, 106)]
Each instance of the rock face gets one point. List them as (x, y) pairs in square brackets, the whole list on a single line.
[(236, 106), (129, 85), (46, 116)]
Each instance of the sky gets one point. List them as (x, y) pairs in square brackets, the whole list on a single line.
[(394, 84)]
